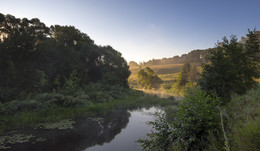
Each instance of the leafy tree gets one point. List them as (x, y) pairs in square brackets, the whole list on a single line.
[(35, 58), (148, 79), (232, 67), (113, 66)]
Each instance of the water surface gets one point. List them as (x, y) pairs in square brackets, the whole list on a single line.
[(136, 128), (116, 131)]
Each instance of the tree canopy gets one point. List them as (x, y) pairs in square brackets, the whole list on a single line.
[(37, 58), (232, 67)]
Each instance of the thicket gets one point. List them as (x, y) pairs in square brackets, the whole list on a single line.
[(37, 59)]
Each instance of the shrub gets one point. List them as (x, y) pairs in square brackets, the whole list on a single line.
[(196, 117)]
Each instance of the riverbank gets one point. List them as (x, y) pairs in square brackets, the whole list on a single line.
[(31, 118)]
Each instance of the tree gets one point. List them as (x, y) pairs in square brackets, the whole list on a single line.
[(188, 74), (148, 79), (35, 59), (183, 77), (232, 67), (132, 63)]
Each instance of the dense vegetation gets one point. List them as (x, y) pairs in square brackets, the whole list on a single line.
[(233, 67), (51, 73), (35, 58), (207, 118)]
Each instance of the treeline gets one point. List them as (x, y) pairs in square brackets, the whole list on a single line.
[(198, 56), (194, 57), (35, 58)]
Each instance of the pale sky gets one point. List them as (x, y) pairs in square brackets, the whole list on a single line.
[(145, 29)]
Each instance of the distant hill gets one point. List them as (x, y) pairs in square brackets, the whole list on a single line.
[(194, 57), (168, 68)]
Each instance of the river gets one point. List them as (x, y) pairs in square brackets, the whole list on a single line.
[(116, 131)]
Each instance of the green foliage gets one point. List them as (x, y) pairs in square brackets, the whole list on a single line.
[(232, 68), (183, 77), (241, 124), (159, 140), (91, 94), (37, 59), (52, 107), (148, 79), (73, 81), (188, 74), (196, 117), (186, 79)]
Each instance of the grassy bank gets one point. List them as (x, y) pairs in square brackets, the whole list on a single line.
[(31, 118), (241, 125)]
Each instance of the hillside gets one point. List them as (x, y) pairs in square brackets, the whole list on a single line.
[(195, 57), (168, 68), (158, 69)]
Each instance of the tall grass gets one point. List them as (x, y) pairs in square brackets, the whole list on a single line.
[(241, 128)]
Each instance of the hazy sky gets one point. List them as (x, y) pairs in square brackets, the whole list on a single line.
[(145, 29)]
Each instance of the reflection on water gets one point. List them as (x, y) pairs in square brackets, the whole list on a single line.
[(136, 128), (116, 131)]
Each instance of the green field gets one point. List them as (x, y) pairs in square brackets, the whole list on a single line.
[(167, 72), (169, 77), (159, 69)]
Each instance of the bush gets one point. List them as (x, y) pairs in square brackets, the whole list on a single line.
[(196, 118)]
